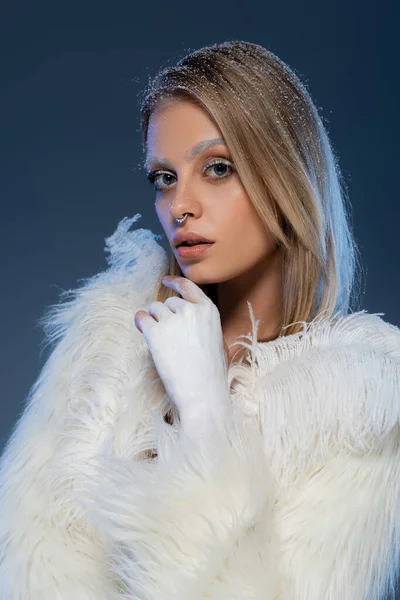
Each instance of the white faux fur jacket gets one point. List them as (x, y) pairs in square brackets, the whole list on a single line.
[(297, 498)]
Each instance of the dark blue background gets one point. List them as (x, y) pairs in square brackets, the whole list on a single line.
[(70, 146)]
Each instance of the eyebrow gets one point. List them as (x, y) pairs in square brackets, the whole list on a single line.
[(190, 154)]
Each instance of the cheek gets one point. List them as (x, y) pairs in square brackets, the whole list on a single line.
[(236, 213), (244, 231), (162, 212)]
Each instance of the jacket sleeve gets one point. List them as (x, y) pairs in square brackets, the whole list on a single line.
[(337, 518), (340, 533), (194, 524), (48, 547), (307, 509)]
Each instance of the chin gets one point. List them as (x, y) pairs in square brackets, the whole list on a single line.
[(198, 278)]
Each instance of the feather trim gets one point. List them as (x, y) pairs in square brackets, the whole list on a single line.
[(297, 498), (48, 549), (176, 524)]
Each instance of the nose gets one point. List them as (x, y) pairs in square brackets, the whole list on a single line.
[(185, 200)]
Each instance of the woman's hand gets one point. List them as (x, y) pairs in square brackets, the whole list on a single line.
[(185, 339)]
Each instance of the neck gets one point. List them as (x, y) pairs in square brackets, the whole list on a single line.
[(261, 285)]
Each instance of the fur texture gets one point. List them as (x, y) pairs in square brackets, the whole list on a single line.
[(297, 497)]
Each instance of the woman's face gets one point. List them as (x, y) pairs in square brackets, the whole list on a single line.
[(203, 183)]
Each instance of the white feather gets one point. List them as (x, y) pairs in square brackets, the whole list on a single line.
[(296, 498)]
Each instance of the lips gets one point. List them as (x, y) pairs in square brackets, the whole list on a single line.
[(196, 251), (189, 236), (193, 243)]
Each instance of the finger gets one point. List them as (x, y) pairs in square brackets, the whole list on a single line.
[(138, 316), (143, 321), (189, 290), (175, 304), (159, 310)]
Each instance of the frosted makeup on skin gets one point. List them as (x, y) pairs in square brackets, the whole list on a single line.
[(243, 261)]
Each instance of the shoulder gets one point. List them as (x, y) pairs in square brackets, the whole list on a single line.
[(336, 384), (362, 330), (355, 333), (348, 343), (136, 264)]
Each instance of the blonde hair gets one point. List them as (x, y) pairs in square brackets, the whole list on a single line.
[(285, 162)]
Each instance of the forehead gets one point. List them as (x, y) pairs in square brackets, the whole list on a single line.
[(178, 130), (184, 119)]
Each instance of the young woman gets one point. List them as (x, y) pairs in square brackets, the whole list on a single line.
[(155, 461)]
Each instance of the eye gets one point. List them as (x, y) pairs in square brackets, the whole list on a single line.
[(154, 176), (162, 180), (220, 165)]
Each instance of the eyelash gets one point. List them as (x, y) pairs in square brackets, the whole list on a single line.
[(152, 176)]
